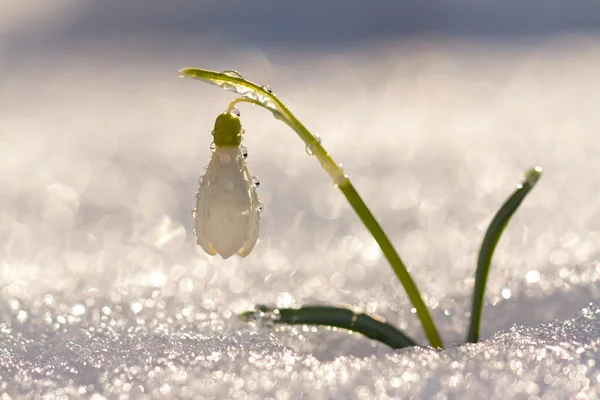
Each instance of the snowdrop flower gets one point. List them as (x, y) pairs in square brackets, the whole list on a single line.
[(227, 214)]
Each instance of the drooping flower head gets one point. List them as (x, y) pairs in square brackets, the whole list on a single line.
[(228, 212)]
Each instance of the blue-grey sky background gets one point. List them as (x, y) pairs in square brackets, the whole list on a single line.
[(39, 31), (317, 23), (312, 23)]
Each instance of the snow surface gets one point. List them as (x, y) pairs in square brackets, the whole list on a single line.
[(103, 293)]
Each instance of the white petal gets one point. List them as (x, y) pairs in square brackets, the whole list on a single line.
[(225, 202), (201, 217), (253, 223)]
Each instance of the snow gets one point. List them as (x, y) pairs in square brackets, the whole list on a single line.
[(214, 358), (103, 292)]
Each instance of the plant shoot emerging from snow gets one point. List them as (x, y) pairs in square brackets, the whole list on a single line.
[(227, 216)]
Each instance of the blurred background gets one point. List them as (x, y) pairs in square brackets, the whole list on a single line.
[(435, 108)]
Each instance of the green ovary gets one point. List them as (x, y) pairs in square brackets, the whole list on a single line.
[(228, 130)]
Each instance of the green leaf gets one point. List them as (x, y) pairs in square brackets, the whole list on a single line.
[(490, 240), (372, 327), (235, 82)]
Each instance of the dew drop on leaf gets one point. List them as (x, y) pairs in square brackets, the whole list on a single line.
[(309, 147), (233, 73)]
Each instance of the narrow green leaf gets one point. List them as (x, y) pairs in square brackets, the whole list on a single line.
[(233, 81), (372, 327), (490, 240)]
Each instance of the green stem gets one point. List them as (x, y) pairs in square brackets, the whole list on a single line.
[(396, 263), (373, 328), (490, 240), (258, 95)]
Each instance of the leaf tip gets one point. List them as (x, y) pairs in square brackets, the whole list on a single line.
[(247, 316), (184, 72), (533, 175)]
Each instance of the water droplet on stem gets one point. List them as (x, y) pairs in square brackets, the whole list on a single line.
[(309, 147), (232, 72)]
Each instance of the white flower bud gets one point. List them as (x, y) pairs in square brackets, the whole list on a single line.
[(227, 208)]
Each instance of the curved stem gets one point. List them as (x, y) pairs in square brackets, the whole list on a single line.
[(490, 240), (235, 102), (338, 317), (264, 98), (395, 261)]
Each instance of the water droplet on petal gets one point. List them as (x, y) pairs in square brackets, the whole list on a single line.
[(309, 147), (201, 178), (224, 158), (228, 186), (213, 146), (256, 181), (267, 88), (244, 151), (235, 111), (260, 207), (194, 213)]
